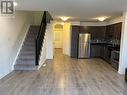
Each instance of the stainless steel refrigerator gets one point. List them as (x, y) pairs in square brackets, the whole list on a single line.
[(84, 45)]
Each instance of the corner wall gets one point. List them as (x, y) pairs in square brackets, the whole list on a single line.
[(67, 39), (123, 46)]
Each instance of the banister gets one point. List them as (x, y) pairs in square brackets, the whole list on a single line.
[(40, 36)]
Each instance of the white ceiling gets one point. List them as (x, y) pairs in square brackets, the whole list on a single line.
[(81, 10)]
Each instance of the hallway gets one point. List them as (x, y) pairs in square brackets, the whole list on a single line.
[(66, 76)]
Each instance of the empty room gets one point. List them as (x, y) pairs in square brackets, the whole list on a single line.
[(63, 47)]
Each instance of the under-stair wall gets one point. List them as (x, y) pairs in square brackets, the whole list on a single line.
[(43, 53), (47, 48), (49, 41)]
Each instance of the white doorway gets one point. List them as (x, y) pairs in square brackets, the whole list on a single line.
[(58, 36), (62, 37), (58, 39)]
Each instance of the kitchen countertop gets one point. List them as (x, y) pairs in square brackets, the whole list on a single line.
[(108, 45), (100, 43)]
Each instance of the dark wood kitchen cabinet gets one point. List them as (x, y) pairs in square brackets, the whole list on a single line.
[(109, 32), (107, 54), (114, 31), (97, 32), (102, 51), (84, 29), (95, 51), (74, 41), (117, 31)]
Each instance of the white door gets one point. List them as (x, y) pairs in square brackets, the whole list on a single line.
[(58, 39)]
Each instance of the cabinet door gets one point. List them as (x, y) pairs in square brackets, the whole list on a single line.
[(74, 41), (97, 32), (95, 51), (107, 54), (109, 32), (117, 31), (102, 51), (84, 29)]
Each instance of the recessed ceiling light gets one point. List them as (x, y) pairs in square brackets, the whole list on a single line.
[(102, 18), (64, 18), (15, 4)]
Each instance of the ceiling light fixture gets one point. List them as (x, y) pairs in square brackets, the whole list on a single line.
[(64, 18), (102, 18), (15, 4)]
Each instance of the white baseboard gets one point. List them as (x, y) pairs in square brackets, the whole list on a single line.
[(4, 75)]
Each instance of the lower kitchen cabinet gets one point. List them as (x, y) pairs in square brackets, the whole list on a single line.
[(107, 54), (101, 51), (95, 51)]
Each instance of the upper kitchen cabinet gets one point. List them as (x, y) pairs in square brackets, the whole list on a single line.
[(97, 32), (117, 31), (84, 29), (74, 41), (114, 31), (109, 32)]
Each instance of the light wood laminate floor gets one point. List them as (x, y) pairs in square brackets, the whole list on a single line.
[(66, 76)]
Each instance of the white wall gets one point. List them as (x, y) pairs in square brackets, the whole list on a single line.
[(93, 23), (116, 20), (12, 32), (58, 39), (76, 23), (112, 21), (67, 39), (37, 17), (43, 54), (123, 48), (66, 35), (49, 41), (47, 48)]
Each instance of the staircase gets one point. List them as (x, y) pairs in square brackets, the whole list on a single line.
[(26, 58), (30, 54)]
